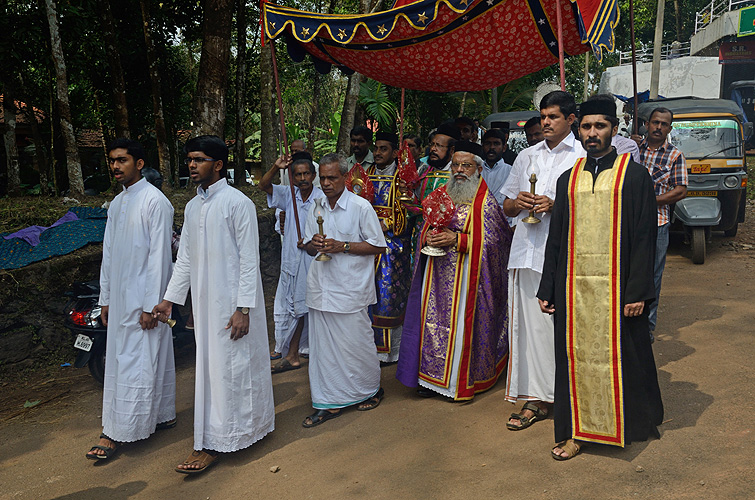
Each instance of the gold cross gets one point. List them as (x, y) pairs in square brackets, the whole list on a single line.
[(272, 25), (341, 33)]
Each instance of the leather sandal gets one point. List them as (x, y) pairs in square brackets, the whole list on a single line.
[(109, 451), (202, 458), (570, 446), (539, 414)]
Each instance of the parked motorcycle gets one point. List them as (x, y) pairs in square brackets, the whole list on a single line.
[(83, 319)]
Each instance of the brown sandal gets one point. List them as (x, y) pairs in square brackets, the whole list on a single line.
[(539, 414), (202, 458), (570, 446)]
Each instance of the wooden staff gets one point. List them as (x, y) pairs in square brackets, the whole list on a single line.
[(285, 139)]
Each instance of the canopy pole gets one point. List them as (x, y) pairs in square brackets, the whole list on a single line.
[(401, 122), (284, 143), (561, 44), (634, 68)]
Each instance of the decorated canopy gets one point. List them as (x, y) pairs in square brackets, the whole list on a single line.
[(446, 45)]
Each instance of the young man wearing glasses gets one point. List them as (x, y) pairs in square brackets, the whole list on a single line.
[(219, 259)]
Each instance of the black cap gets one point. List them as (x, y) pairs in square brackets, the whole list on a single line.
[(597, 107), (469, 147), (449, 129), (500, 125), (386, 136)]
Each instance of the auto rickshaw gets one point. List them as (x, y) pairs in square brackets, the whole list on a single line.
[(711, 134)]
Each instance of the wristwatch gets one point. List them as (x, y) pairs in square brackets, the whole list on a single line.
[(346, 247), (243, 310)]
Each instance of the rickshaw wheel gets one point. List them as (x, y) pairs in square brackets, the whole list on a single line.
[(732, 231), (698, 245)]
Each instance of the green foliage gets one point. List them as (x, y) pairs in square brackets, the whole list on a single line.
[(377, 104), (329, 143)]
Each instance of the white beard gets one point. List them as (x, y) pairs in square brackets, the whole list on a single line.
[(463, 191)]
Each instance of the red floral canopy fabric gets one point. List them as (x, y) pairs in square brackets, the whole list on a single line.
[(445, 45)]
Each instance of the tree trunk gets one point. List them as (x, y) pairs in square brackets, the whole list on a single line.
[(269, 151), (163, 152), (120, 108), (9, 136), (209, 100), (348, 112), (678, 19), (73, 163), (239, 152), (40, 150)]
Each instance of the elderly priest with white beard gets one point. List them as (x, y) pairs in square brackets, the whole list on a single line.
[(455, 330)]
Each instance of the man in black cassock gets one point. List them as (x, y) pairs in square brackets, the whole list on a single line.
[(604, 217)]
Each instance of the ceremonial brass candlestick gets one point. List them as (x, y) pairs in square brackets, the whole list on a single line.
[(531, 219), (322, 256)]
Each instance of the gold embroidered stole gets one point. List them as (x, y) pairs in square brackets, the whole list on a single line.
[(593, 304)]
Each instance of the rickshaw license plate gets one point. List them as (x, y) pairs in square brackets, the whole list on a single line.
[(83, 342), (700, 169), (702, 193)]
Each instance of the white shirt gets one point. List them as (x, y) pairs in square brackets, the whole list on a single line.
[(495, 177), (281, 199), (346, 283), (528, 245)]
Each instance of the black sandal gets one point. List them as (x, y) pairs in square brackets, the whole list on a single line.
[(319, 417), (373, 402), (109, 452)]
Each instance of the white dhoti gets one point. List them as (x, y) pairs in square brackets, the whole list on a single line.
[(140, 379), (532, 362), (290, 307), (343, 364)]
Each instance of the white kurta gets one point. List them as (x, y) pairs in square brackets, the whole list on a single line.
[(140, 377), (532, 365), (343, 364), (219, 259), (290, 306)]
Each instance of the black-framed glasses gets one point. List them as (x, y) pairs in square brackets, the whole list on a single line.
[(198, 161)]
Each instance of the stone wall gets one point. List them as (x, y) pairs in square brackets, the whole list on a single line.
[(32, 331)]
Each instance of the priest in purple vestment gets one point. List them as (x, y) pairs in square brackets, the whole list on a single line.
[(455, 340)]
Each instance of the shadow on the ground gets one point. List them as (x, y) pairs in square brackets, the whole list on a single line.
[(126, 490)]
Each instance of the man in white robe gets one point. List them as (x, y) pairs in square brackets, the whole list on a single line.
[(343, 365), (532, 362), (219, 259), (139, 394), (290, 309)]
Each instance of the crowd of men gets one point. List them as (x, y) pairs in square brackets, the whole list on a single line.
[(551, 286)]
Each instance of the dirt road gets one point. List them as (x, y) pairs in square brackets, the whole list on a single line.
[(415, 448)]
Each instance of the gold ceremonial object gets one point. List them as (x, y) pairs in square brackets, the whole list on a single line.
[(357, 184), (531, 219), (170, 322), (323, 256)]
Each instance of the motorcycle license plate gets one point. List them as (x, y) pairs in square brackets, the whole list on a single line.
[(83, 342)]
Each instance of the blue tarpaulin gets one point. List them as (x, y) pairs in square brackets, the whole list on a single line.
[(58, 240)]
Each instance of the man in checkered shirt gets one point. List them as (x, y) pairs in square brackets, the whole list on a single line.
[(667, 167)]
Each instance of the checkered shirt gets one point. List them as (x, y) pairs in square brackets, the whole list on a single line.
[(667, 167)]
